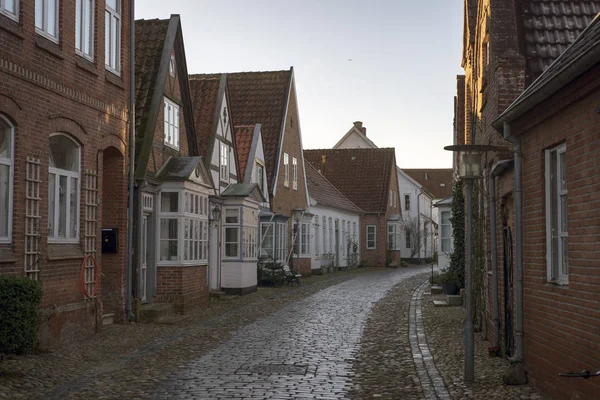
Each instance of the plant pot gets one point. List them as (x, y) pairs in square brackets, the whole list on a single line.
[(450, 288)]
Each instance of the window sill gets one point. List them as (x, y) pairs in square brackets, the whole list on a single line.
[(557, 284), (11, 26), (7, 255), (114, 79), (49, 46), (180, 264), (64, 251), (86, 65)]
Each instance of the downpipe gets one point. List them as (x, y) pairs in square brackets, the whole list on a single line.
[(130, 244)]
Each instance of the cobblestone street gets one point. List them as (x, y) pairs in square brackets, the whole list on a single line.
[(353, 335)]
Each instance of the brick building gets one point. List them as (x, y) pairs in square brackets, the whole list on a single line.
[(64, 99), (367, 177), (556, 120), (507, 45)]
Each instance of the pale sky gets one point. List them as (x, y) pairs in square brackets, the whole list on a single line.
[(389, 63)]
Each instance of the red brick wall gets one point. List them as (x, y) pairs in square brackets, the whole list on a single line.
[(185, 287), (46, 88), (562, 324), (374, 257)]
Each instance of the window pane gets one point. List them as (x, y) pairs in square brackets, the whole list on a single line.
[(51, 203), (39, 14), (231, 216), (62, 206), (10, 6), (89, 27), (112, 4), (564, 214), (168, 239), (52, 17), (78, 23), (73, 198), (4, 198), (563, 172), (169, 201), (5, 139), (565, 257), (115, 43), (231, 242), (107, 43), (64, 153)]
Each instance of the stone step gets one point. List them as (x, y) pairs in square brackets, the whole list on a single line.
[(455, 300), (440, 303), (108, 318), (437, 289), (153, 312)]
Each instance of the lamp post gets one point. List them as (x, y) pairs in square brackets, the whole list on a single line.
[(469, 169)]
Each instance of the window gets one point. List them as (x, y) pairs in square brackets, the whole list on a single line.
[(112, 40), (260, 176), (172, 65), (324, 226), (446, 231), (7, 132), (408, 239), (183, 227), (371, 242), (332, 248), (354, 231), (395, 201), (232, 232), (267, 235), (317, 237), (556, 216), (302, 239), (286, 170), (171, 130), (46, 18), (391, 197), (224, 170), (282, 237), (249, 245), (294, 173), (10, 8), (63, 189), (391, 237), (84, 28), (407, 202)]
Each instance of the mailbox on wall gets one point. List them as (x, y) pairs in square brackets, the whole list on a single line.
[(109, 240)]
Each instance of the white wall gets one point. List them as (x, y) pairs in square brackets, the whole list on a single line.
[(340, 215)]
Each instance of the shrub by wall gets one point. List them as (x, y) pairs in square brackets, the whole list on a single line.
[(19, 301)]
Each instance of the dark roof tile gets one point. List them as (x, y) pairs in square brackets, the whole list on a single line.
[(432, 180), (205, 93), (320, 189), (243, 143)]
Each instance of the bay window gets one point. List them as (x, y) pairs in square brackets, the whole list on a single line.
[(112, 40), (7, 132), (250, 248), (183, 226), (63, 189), (84, 28), (46, 18), (10, 8), (232, 232)]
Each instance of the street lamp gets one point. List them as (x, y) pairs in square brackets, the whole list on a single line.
[(469, 169)]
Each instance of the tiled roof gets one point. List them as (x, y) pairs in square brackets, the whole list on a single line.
[(261, 97), (432, 180), (205, 92), (362, 175), (550, 26), (586, 43), (243, 143), (320, 189), (150, 38), (178, 168)]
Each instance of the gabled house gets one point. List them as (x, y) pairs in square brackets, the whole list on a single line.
[(234, 252), (251, 159), (336, 226), (555, 124), (368, 178), (64, 112), (269, 99), (173, 185)]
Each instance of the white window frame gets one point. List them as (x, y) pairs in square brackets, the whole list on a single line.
[(408, 239), (324, 228), (14, 14), (286, 170), (113, 57), (249, 245), (282, 241), (58, 172), (260, 176), (371, 230), (317, 236), (406, 202), (391, 232), (234, 226), (10, 163), (302, 239), (171, 124), (172, 65), (43, 30), (224, 162), (294, 173), (85, 33), (443, 238), (558, 274)]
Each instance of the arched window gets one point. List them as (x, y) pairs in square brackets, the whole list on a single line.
[(7, 134), (63, 189)]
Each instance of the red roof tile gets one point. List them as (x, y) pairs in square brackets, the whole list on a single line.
[(432, 180), (261, 97), (362, 175), (205, 93), (243, 143), (321, 190)]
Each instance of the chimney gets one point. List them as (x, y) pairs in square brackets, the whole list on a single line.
[(359, 125)]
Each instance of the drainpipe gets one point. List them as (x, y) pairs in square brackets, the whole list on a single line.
[(129, 272), (497, 169), (518, 190)]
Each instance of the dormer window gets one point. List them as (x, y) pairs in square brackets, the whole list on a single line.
[(172, 65), (171, 131)]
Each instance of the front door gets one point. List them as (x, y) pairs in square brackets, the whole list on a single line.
[(144, 261)]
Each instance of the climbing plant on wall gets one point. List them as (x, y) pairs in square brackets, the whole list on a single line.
[(457, 258)]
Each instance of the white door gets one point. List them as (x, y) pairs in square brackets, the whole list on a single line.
[(144, 261)]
